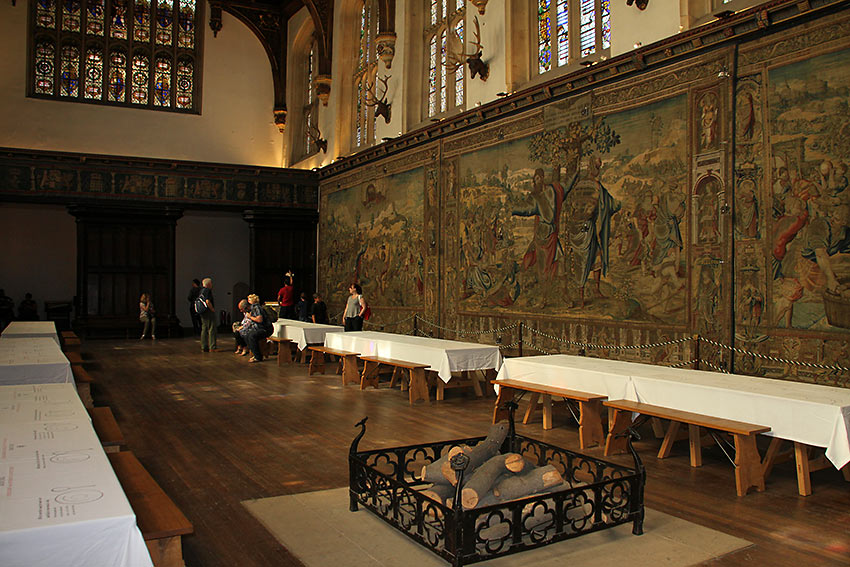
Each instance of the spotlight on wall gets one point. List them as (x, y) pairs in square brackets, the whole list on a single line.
[(638, 44), (387, 139), (723, 73), (502, 93), (588, 63)]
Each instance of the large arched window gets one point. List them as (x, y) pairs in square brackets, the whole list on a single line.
[(570, 31), (445, 87), (364, 75), (137, 53)]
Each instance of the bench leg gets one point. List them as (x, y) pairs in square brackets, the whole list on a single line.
[(317, 363), (748, 470), (370, 374), (166, 552), (804, 480), (547, 411), (533, 400), (618, 422), (590, 432), (669, 438), (348, 369), (505, 395), (695, 443), (418, 386), (283, 353)]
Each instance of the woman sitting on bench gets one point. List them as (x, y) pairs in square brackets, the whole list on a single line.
[(260, 331)]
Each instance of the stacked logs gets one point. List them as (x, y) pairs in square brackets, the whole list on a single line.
[(490, 477)]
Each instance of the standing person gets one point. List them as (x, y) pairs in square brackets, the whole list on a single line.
[(193, 315), (261, 329), (28, 309), (208, 330), (302, 308), (319, 310), (286, 296), (352, 317), (7, 309), (147, 315)]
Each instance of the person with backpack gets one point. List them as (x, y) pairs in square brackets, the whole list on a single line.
[(262, 329), (355, 307), (205, 307)]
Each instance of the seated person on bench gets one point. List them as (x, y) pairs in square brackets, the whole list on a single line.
[(261, 330), (241, 330)]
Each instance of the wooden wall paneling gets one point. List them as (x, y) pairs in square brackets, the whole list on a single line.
[(123, 252)]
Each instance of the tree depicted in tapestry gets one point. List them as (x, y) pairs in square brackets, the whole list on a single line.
[(809, 225), (583, 219)]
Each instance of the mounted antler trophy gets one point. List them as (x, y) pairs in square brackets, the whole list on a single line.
[(456, 56), (382, 107), (315, 136)]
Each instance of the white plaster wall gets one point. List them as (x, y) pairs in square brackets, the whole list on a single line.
[(493, 41), (39, 253), (215, 245), (236, 124), (660, 20)]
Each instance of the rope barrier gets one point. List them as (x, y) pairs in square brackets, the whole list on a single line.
[(462, 332), (609, 347), (776, 358)]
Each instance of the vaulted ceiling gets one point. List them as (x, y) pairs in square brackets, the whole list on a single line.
[(268, 20)]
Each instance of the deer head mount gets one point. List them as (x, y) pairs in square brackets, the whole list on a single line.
[(382, 107), (456, 57), (315, 136)]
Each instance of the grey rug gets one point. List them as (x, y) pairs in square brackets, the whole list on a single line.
[(317, 528)]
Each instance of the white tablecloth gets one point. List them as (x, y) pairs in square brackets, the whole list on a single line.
[(808, 413), (303, 333), (60, 502), (31, 329), (33, 361), (442, 356)]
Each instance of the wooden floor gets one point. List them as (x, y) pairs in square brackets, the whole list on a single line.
[(214, 431)]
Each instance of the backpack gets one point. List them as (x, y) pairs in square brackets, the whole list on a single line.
[(269, 315), (200, 305), (367, 313)]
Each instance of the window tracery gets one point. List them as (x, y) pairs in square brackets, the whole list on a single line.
[(80, 51), (446, 87), (569, 31)]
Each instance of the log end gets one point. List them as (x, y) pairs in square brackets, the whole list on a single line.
[(515, 463), (469, 498)]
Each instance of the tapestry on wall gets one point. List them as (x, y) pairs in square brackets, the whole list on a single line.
[(372, 233), (583, 219), (809, 211)]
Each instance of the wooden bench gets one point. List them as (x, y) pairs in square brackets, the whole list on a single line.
[(283, 350), (466, 379), (417, 386), (73, 357), (70, 341), (161, 522), (107, 429), (590, 431), (83, 381), (347, 366), (748, 467)]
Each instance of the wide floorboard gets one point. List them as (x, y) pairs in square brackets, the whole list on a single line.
[(214, 431)]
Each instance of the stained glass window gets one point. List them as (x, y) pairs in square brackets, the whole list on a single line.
[(46, 14), (162, 82), (185, 75), (141, 75), (117, 76), (310, 108), (444, 34), (142, 21), (79, 52), (186, 38), (69, 72), (44, 54), (94, 74), (71, 15), (364, 75), (94, 17), (164, 22), (555, 29)]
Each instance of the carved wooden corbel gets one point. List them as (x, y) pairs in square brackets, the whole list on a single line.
[(385, 46), (280, 119), (322, 86)]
